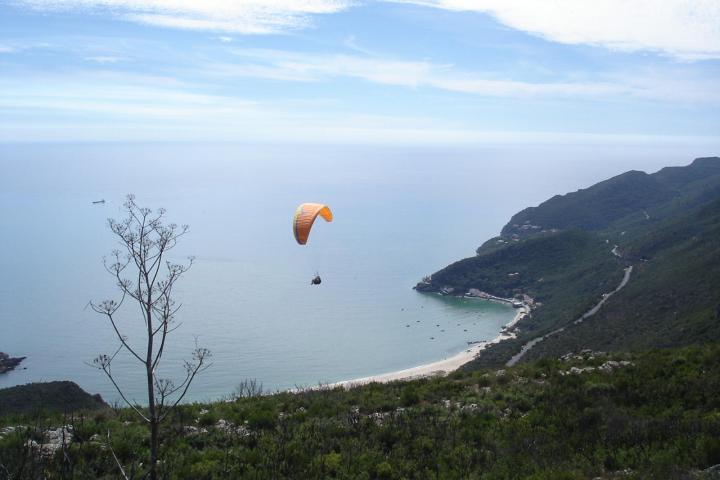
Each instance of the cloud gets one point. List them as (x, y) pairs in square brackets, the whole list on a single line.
[(237, 16), (18, 47), (111, 95), (102, 59), (90, 105), (350, 42), (687, 29), (307, 67)]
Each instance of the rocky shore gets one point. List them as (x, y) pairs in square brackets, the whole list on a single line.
[(8, 363)]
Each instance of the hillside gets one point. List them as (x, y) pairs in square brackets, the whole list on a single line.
[(565, 272), (590, 415), (674, 298), (632, 196), (570, 250), (47, 397)]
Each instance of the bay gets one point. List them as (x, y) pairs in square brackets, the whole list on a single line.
[(400, 213)]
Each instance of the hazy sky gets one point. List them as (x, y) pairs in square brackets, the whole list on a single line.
[(360, 71)]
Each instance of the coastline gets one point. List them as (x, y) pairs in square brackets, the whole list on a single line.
[(8, 363), (440, 367)]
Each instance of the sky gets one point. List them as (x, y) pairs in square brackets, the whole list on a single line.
[(360, 71)]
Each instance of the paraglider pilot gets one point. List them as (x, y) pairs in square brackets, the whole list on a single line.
[(303, 220)]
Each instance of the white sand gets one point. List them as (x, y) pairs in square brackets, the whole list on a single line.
[(441, 367)]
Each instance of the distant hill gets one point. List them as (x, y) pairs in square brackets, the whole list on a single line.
[(666, 224), (47, 397), (593, 208), (630, 196)]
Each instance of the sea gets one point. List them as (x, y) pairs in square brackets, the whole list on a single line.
[(401, 212)]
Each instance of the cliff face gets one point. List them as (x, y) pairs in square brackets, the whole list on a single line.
[(570, 249)]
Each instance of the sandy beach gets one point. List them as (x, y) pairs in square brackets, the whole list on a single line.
[(441, 367)]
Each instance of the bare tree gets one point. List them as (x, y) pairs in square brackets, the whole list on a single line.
[(248, 388), (146, 277)]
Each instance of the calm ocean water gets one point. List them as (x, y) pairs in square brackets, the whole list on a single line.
[(400, 213)]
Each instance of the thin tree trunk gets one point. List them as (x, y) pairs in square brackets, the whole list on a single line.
[(154, 430), (151, 390)]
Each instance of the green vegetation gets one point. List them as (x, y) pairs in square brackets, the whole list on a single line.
[(612, 202), (567, 272), (657, 416), (673, 299), (596, 207), (666, 224), (47, 397)]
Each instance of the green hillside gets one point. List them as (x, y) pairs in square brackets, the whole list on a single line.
[(623, 416), (567, 272), (673, 299), (47, 397), (667, 225), (632, 194), (593, 208)]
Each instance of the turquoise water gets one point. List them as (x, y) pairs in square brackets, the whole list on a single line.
[(400, 213)]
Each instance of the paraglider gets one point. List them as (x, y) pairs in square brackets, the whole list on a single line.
[(304, 218), (303, 221)]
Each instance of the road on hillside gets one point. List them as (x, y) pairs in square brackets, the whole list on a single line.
[(526, 348)]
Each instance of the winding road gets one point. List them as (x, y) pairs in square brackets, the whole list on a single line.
[(525, 348)]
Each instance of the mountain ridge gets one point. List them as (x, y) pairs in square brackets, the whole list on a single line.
[(570, 250)]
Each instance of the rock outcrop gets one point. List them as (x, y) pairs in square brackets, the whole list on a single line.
[(8, 363)]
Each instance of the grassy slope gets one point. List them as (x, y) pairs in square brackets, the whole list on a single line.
[(658, 418), (673, 298)]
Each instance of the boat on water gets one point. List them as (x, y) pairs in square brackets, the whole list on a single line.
[(98, 201)]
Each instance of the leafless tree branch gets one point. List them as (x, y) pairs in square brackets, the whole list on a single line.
[(146, 241), (117, 461)]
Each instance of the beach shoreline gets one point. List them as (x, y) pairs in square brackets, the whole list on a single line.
[(440, 367)]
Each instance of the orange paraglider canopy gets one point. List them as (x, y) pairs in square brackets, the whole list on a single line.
[(305, 216)]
